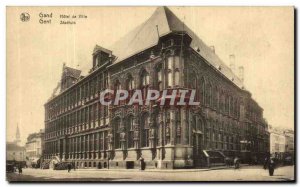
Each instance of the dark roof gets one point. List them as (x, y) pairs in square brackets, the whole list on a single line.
[(10, 146), (99, 48), (145, 36), (71, 72)]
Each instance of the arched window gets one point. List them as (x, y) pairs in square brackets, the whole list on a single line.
[(198, 124), (130, 86), (209, 95), (192, 80), (222, 103), (231, 106), (235, 108), (145, 78), (170, 78), (159, 77), (130, 131), (170, 63), (202, 91), (117, 133), (144, 82), (216, 98), (117, 85), (129, 83), (177, 78), (226, 104), (192, 83), (177, 61), (145, 131)]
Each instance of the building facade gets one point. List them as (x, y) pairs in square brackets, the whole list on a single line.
[(14, 150), (289, 141), (162, 54), (35, 146), (281, 142)]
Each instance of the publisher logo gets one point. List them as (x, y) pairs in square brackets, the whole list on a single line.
[(25, 17)]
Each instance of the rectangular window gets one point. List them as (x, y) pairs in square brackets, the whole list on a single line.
[(101, 141)]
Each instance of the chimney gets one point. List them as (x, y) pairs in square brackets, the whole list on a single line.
[(232, 62), (241, 73), (213, 49)]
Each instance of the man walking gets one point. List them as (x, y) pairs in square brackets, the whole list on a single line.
[(69, 167), (271, 166), (20, 169)]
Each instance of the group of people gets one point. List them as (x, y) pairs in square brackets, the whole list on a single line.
[(269, 163), (236, 162), (70, 165), (17, 167)]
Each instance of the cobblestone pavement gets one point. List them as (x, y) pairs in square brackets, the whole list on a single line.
[(249, 173)]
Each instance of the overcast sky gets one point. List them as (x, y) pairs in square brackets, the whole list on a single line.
[(261, 39)]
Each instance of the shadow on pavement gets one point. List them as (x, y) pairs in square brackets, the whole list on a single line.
[(13, 178)]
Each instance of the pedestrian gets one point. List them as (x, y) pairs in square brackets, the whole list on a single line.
[(142, 163), (271, 166), (236, 162), (74, 165), (266, 163), (69, 167), (227, 161), (20, 169)]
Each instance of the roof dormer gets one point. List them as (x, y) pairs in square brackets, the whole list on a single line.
[(101, 56)]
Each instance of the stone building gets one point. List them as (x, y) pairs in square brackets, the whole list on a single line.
[(281, 142), (162, 53), (14, 151), (289, 141), (34, 147)]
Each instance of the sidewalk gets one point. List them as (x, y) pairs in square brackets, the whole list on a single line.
[(163, 170)]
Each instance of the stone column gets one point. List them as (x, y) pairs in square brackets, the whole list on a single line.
[(136, 136), (84, 146), (92, 146), (172, 127), (152, 131), (160, 128), (184, 126)]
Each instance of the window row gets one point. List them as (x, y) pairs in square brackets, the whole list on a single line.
[(72, 97), (85, 115), (211, 96)]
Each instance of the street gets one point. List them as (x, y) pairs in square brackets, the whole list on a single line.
[(247, 173)]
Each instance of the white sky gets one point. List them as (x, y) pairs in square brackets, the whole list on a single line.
[(262, 40)]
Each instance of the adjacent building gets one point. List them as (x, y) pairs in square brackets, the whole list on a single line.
[(14, 151), (281, 142), (289, 141), (34, 147), (162, 53)]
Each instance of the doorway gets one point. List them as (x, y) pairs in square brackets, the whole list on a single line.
[(197, 135), (129, 164)]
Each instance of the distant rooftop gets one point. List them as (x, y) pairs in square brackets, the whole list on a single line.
[(12, 146)]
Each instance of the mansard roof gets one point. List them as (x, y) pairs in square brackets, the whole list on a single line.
[(145, 36)]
